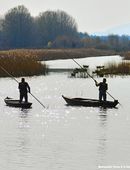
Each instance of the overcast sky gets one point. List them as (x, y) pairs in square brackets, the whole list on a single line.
[(90, 15)]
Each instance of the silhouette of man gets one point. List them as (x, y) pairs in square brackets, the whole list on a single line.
[(23, 89), (103, 87)]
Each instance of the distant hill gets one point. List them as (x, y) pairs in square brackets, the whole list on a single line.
[(119, 30)]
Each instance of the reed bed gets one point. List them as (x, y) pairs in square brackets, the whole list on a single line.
[(122, 68), (126, 55), (26, 62), (21, 66), (53, 54)]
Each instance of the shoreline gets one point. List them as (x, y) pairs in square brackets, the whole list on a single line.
[(55, 54), (63, 54)]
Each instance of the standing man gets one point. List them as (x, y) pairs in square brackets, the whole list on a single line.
[(23, 89), (103, 87)]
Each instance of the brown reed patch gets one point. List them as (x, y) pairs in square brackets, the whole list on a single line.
[(122, 68), (25, 62), (53, 54), (126, 55), (21, 66)]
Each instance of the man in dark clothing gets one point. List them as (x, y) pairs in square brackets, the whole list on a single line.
[(23, 89), (103, 87)]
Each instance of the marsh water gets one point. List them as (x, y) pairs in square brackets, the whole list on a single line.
[(62, 137)]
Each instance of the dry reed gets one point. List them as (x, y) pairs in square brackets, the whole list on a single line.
[(122, 68), (19, 63)]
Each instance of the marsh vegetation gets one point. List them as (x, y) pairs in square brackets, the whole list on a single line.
[(20, 63), (122, 68)]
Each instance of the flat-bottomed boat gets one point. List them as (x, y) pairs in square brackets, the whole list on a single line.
[(90, 102), (16, 103)]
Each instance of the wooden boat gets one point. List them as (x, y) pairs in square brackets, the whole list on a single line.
[(15, 103), (90, 102)]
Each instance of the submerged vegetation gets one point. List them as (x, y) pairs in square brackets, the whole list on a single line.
[(18, 63)]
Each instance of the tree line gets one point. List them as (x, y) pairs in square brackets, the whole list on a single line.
[(51, 29), (18, 29), (111, 42)]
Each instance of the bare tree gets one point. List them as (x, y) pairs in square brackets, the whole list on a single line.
[(17, 27), (52, 24)]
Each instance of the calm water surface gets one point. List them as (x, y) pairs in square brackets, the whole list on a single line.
[(91, 61), (61, 137)]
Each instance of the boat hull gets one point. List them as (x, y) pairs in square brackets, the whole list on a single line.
[(16, 103), (89, 102)]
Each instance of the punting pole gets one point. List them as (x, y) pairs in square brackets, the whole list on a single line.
[(88, 74), (18, 82), (93, 78)]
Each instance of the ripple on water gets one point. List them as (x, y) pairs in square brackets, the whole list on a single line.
[(64, 137)]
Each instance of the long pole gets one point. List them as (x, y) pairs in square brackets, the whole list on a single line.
[(87, 72), (18, 82), (82, 68), (93, 78)]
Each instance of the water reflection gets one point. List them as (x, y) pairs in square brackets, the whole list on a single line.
[(103, 117), (91, 61), (23, 138), (61, 137), (102, 138), (24, 113)]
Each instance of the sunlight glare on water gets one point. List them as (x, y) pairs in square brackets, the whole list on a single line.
[(62, 137)]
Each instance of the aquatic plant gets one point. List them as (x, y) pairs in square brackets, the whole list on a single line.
[(122, 68), (126, 55), (53, 54), (20, 64)]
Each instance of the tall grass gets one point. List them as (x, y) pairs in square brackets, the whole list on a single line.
[(126, 55), (25, 62), (122, 68), (53, 54), (20, 64)]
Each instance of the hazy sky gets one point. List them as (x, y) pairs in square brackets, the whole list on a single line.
[(90, 15)]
